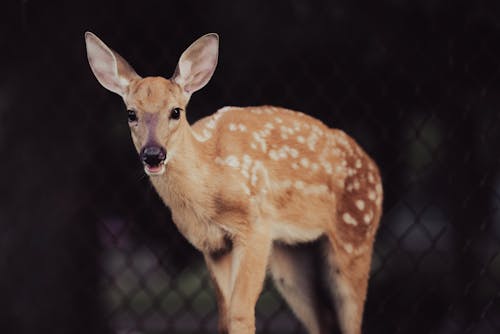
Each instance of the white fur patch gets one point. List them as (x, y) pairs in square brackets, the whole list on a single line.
[(372, 196), (261, 141), (269, 126), (232, 161), (211, 123), (368, 217), (327, 166), (348, 219), (299, 184), (312, 140), (291, 233)]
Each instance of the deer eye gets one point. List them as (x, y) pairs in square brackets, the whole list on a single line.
[(175, 113), (132, 116)]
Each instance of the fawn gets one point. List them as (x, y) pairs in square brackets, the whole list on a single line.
[(248, 186)]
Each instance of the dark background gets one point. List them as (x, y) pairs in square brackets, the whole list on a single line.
[(86, 246)]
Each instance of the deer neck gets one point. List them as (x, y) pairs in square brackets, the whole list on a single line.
[(185, 187), (185, 182)]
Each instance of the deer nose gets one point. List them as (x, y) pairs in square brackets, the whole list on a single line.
[(153, 155)]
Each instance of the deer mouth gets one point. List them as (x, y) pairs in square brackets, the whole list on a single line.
[(154, 170)]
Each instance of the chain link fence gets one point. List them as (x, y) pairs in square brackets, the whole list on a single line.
[(86, 244)]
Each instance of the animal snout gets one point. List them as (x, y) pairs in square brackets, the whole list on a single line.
[(153, 155)]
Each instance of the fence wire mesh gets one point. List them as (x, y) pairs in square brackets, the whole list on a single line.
[(88, 247)]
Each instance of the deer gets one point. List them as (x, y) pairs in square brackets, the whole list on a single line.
[(248, 186)]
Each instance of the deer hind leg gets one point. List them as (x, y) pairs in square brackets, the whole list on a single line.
[(348, 277), (297, 276)]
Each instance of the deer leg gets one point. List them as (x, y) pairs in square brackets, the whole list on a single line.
[(249, 264), (348, 277), (220, 272), (296, 278)]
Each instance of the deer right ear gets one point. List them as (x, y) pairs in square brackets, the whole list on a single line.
[(110, 69), (197, 63)]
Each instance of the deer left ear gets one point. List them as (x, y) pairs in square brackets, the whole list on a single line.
[(197, 64), (110, 69)]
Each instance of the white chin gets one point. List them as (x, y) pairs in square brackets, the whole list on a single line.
[(154, 171)]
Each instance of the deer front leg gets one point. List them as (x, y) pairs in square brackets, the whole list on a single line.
[(220, 272), (250, 257)]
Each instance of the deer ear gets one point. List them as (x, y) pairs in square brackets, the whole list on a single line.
[(110, 69), (197, 63)]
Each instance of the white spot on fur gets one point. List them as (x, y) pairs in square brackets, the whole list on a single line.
[(371, 179), (336, 151), (311, 141), (378, 188), (269, 126), (261, 141), (299, 184), (232, 127), (372, 196), (348, 219), (348, 248), (358, 164), (247, 160), (207, 134), (258, 168), (232, 161), (273, 155), (245, 165), (223, 110), (360, 204), (295, 165), (211, 123), (246, 189), (315, 189), (301, 139), (204, 137), (304, 162), (278, 120), (368, 217), (356, 184), (242, 127), (284, 184), (314, 167), (327, 166)]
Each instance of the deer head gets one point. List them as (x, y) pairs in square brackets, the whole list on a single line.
[(156, 106)]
